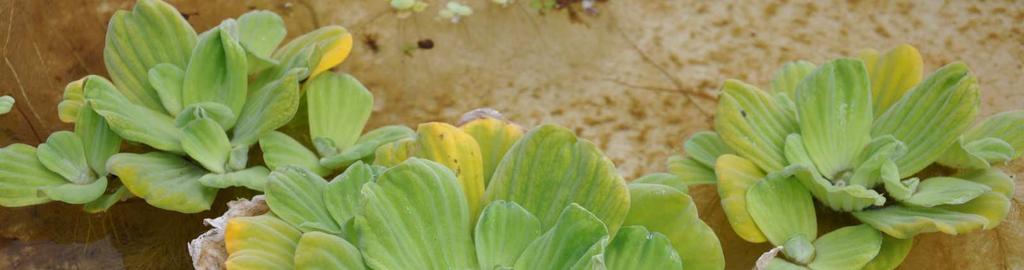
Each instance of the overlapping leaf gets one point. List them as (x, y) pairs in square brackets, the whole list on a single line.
[(260, 242), (667, 211), (834, 112), (367, 145), (503, 232), (637, 248), (339, 107), (846, 248), (494, 137), (98, 140), (130, 121), (322, 251), (457, 150), (751, 123), (892, 74), (297, 196), (217, 70), (22, 175), (280, 150), (163, 180), (782, 208), (787, 78), (735, 177), (64, 154), (567, 243)]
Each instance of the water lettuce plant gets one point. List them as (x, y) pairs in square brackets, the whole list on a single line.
[(193, 103), (484, 195), (866, 136)]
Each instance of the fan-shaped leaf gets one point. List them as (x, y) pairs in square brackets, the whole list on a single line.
[(636, 248), (751, 123), (280, 150), (495, 137), (455, 149), (504, 230), (667, 179), (415, 217), (365, 147), (735, 177), (665, 210), (22, 175), (837, 196), (130, 121), (892, 74), (212, 110), (305, 52), (71, 101), (992, 206), (98, 140), (260, 242), (995, 179), (105, 201), (217, 71), (907, 221), (76, 193), (782, 208), (945, 190), (321, 251), (705, 147), (343, 193), (152, 33), (296, 195), (391, 154), (846, 248), (268, 108), (64, 154), (167, 80), (550, 168), (690, 171), (259, 32), (206, 143), (791, 73), (566, 243), (254, 178), (931, 117), (997, 139), (834, 112), (339, 107), (163, 180), (892, 253)]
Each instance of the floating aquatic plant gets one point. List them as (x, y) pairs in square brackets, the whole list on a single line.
[(196, 103), (480, 196), (6, 104), (861, 135)]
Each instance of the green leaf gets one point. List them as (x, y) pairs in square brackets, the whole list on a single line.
[(877, 155), (931, 116), (849, 247), (636, 248), (549, 168), (163, 180), (206, 143), (781, 264), (593, 258), (6, 103), (705, 147), (305, 51), (735, 177), (217, 71), (799, 248), (690, 171), (105, 201), (339, 107), (426, 198), (455, 149), (1007, 126), (259, 32), (391, 154), (667, 211), (76, 193), (343, 193), (296, 195), (503, 232), (892, 74), (566, 243), (495, 137), (64, 154), (267, 109), (995, 179), (667, 179), (254, 178), (836, 195), (834, 109), (905, 222), (321, 251), (167, 80), (71, 101), (152, 33), (782, 208), (751, 123), (22, 175), (132, 122), (218, 112), (790, 75), (992, 206), (98, 140), (280, 150), (999, 138), (945, 190), (260, 242), (892, 253), (367, 145)]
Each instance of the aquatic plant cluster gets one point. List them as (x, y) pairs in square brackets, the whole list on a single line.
[(865, 136), (182, 112)]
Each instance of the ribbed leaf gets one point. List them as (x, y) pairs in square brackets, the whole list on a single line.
[(838, 196), (1007, 126), (705, 147), (334, 52), (567, 242), (152, 33), (846, 248), (550, 168), (790, 75), (259, 32), (690, 171), (167, 80), (105, 201), (782, 208), (892, 253), (71, 101), (667, 179), (132, 122), (342, 195), (834, 111), (267, 109), (636, 248), (455, 149), (999, 138), (504, 230), (98, 140), (280, 150), (260, 242), (217, 71), (6, 103), (296, 195), (995, 179), (495, 137), (254, 178), (206, 143), (321, 251), (64, 154), (892, 74), (869, 164), (76, 193), (735, 177), (992, 206), (393, 153), (751, 123), (305, 52), (434, 229), (907, 221), (365, 147), (22, 175), (593, 258), (781, 264), (338, 108), (163, 180), (931, 117), (945, 190), (212, 110), (667, 211)]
